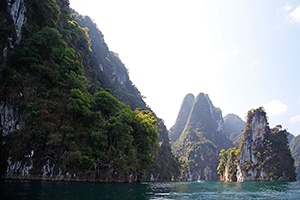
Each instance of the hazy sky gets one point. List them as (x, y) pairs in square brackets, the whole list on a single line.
[(243, 54)]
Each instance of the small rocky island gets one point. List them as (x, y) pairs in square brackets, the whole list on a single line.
[(263, 153)]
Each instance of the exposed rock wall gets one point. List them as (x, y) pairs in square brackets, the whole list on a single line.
[(295, 149), (183, 115), (253, 142), (262, 155), (207, 119), (201, 162), (12, 20), (10, 119), (254, 139), (27, 169), (17, 10)]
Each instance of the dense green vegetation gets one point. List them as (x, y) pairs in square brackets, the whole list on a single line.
[(113, 74), (195, 156), (270, 150), (228, 158), (80, 118), (295, 149)]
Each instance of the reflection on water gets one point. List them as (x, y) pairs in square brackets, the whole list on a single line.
[(220, 190), (35, 190)]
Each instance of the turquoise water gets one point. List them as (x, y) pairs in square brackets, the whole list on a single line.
[(34, 190)]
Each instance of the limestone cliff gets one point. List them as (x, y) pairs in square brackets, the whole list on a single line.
[(12, 20), (68, 109), (200, 141), (114, 75), (295, 149), (183, 115), (262, 155)]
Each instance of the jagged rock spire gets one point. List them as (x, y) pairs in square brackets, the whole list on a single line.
[(182, 117), (199, 139)]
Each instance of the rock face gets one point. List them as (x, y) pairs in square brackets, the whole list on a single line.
[(114, 75), (233, 127), (200, 141), (17, 10), (262, 155), (10, 119), (12, 20), (183, 116), (253, 142), (295, 149)]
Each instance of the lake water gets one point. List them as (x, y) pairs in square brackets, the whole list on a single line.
[(34, 190)]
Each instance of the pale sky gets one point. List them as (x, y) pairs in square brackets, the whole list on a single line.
[(243, 54)]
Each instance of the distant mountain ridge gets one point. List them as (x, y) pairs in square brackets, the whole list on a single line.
[(233, 127)]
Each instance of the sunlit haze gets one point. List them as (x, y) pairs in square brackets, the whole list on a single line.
[(243, 54)]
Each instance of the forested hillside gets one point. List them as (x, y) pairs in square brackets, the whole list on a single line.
[(68, 108)]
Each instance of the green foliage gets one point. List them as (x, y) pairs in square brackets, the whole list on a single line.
[(69, 119), (106, 102), (295, 150), (272, 153), (39, 47), (278, 150), (251, 113), (145, 137), (223, 161), (44, 12), (80, 102), (228, 159), (194, 152)]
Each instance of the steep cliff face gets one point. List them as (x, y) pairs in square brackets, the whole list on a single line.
[(262, 155), (295, 149), (166, 167), (113, 74), (233, 128), (252, 144), (199, 143), (183, 116), (68, 109), (208, 120), (10, 118), (12, 20)]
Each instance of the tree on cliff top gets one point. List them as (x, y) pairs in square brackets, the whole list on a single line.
[(270, 152)]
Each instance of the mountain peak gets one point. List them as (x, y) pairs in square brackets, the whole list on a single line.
[(232, 117), (182, 117), (233, 127), (204, 116), (200, 140)]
